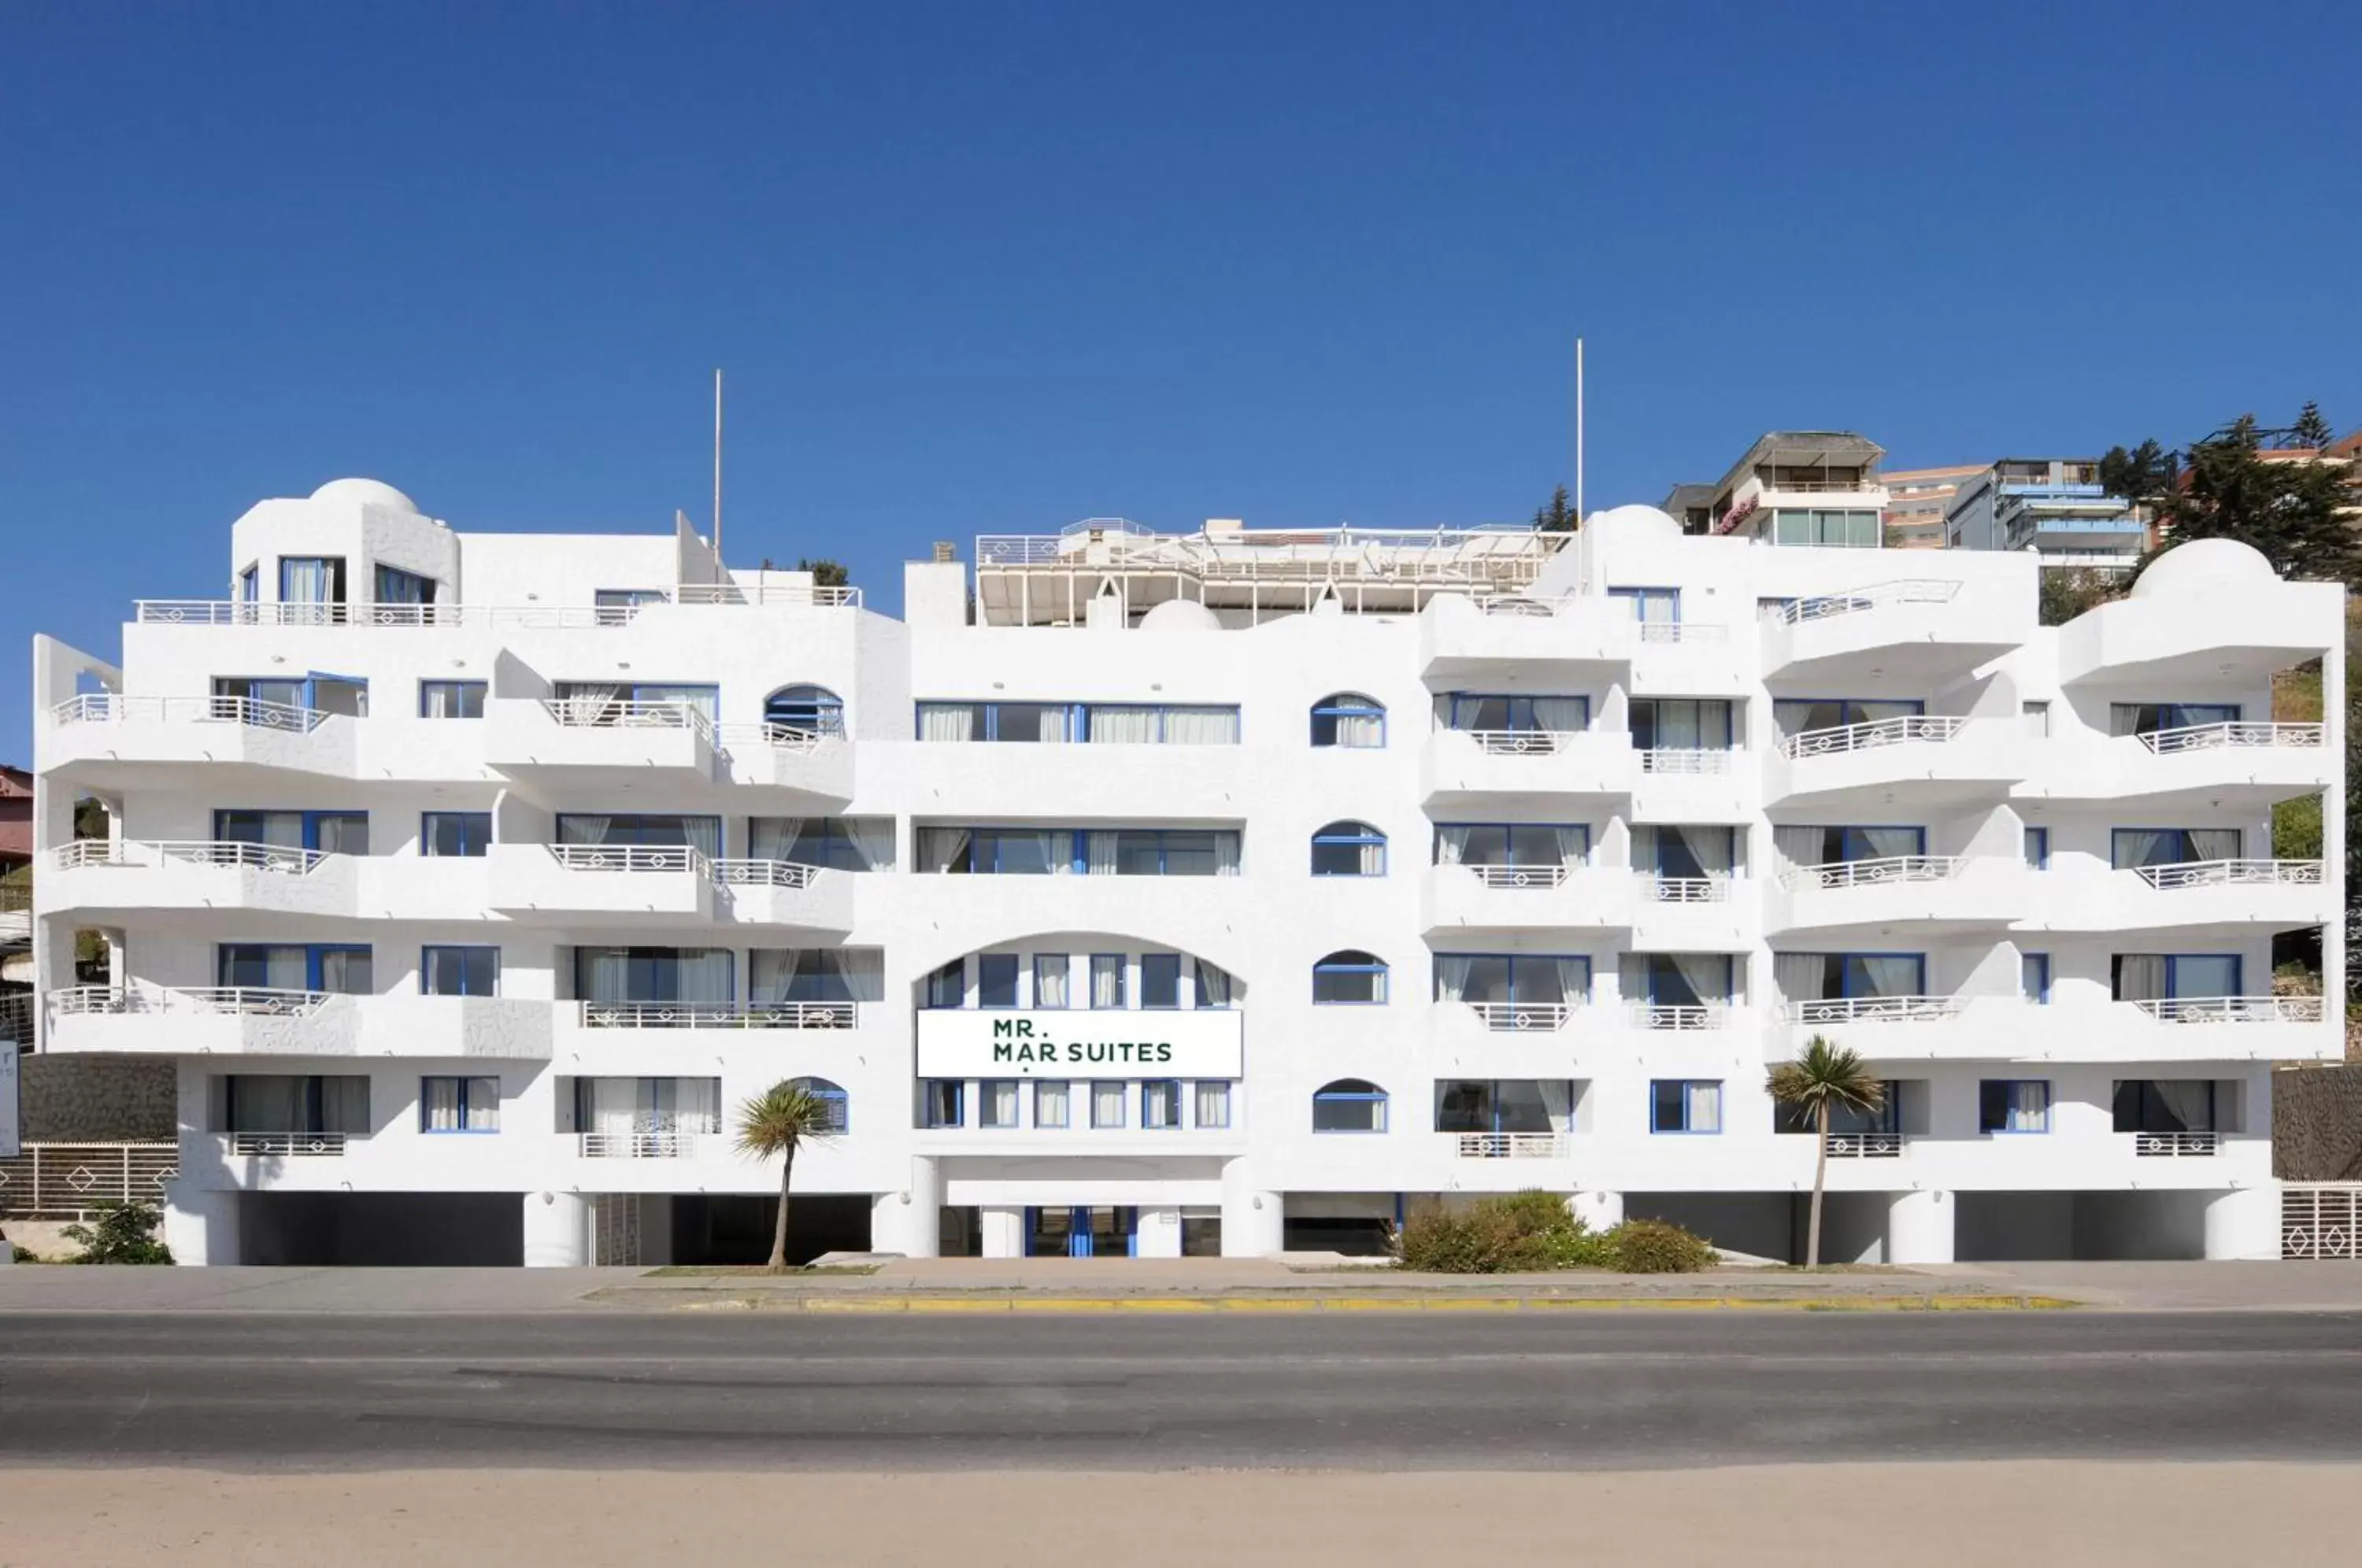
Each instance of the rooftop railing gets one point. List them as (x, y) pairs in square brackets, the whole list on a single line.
[(790, 593), (2212, 737), (114, 707), (1901, 730), (522, 617), (1904, 590), (2233, 873), (1874, 872)]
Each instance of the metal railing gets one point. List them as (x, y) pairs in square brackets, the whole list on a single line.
[(1512, 1146), (73, 1178), (289, 1144), (1897, 731), (614, 713), (2172, 1145), (762, 874), (2321, 1219), (719, 1015), (1519, 876), (2234, 1010), (1876, 871), (1872, 1009), (629, 857), (779, 738), (253, 1001), (1523, 743), (17, 1018), (2215, 737), (292, 860), (1686, 890), (246, 612), (1522, 1017), (1864, 1146), (1903, 591), (641, 1145), (806, 595), (1685, 759), (1703, 1015), (1684, 631), (1820, 486), (112, 707), (2229, 873)]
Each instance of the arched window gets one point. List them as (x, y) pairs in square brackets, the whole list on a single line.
[(1349, 719), (812, 709), (1349, 1105), (829, 1095), (1349, 849), (1350, 976)]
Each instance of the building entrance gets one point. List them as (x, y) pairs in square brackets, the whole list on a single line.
[(1082, 1233)]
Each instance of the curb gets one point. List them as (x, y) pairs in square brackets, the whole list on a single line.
[(1203, 1305)]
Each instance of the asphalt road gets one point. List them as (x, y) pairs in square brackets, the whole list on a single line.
[(1586, 1390)]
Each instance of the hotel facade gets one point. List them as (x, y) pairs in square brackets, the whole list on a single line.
[(1149, 894)]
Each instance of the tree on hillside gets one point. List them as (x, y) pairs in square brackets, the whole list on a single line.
[(2287, 509), (2310, 428), (2140, 475), (1559, 516)]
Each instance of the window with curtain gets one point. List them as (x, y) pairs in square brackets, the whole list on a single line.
[(817, 975), (1349, 721), (1520, 979), (2038, 848), (395, 586), (2014, 1105), (829, 844), (1166, 724), (1349, 976), (947, 986), (293, 1102), (1651, 606), (2164, 1105), (1052, 972), (329, 832), (2174, 976), (1802, 716), (1160, 1104), (314, 584), (1846, 1120), (812, 709), (1685, 1105), (2133, 848), (941, 1102), (1214, 984), (1539, 845), (2149, 718), (466, 835), (1212, 1103), (459, 1105), (1106, 979), (654, 974), (1349, 1105), (1680, 979), (451, 699), (1685, 852), (1504, 1105), (1349, 849), (459, 971), (1050, 1104), (1106, 1105), (2034, 977), (616, 606), (1475, 711), (996, 1103), (1844, 846), (942, 722), (1833, 976), (1680, 723)]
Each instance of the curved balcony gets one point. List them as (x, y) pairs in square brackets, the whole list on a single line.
[(118, 742), (1925, 759), (777, 893), (1466, 769), (2277, 895), (1514, 636), (599, 743), (113, 881), (807, 764), (603, 884), (1469, 899), (2240, 763), (1924, 630), (261, 1020), (1930, 894)]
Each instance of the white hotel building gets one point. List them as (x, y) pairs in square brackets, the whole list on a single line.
[(474, 879)]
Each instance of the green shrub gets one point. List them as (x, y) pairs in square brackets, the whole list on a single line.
[(1516, 1233), (126, 1233), (22, 1255), (1653, 1246)]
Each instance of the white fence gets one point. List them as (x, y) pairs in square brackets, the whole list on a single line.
[(2321, 1220), (61, 1179), (1512, 1146), (1898, 731)]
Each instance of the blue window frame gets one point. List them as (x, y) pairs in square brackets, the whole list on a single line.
[(1349, 849), (1143, 723), (250, 584), (1212, 1106), (1052, 1103), (395, 586), (2166, 1105), (2148, 717), (453, 1104), (1349, 978), (2038, 848), (1054, 980), (2034, 977), (1106, 979), (1686, 979), (2174, 976), (1349, 1105), (337, 968), (1513, 979), (1160, 979), (1843, 845), (1800, 715), (995, 979), (1844, 976), (1651, 606), (451, 699), (645, 830), (814, 709), (1685, 1105), (1107, 1104), (453, 971), (312, 579), (466, 834), (616, 606), (837, 1107), (1493, 711), (1097, 851), (1680, 723), (947, 986), (1160, 1104), (1684, 852), (1538, 844), (327, 833), (2011, 1106), (1350, 722), (943, 1103), (1504, 1105), (629, 975), (1214, 984), (2136, 848)]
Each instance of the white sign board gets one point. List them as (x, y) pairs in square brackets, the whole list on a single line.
[(961, 1043), (9, 1146)]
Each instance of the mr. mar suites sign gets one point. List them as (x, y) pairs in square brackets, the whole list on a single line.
[(961, 1043)]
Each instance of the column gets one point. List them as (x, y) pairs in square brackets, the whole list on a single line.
[(1918, 1228), (1003, 1231), (1597, 1210), (557, 1230), (910, 1221), (199, 1227), (2244, 1223), (1253, 1221), (1159, 1231)]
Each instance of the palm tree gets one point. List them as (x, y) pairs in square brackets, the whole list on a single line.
[(1824, 1079), (779, 1121)]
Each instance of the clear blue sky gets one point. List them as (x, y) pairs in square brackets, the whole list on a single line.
[(991, 267)]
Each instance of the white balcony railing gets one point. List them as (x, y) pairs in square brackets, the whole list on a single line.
[(112, 707), (242, 613), (1523, 743), (2234, 1010), (2212, 737), (1872, 1009), (2171, 1145), (641, 1145), (71, 1178), (634, 857), (719, 1015), (1898, 731), (2230, 873), (762, 874), (613, 713), (1683, 631), (288, 1144), (1512, 1146), (795, 594), (1686, 890), (1522, 1017), (1521, 876), (1875, 872), (292, 860), (779, 737), (1703, 1015), (1685, 759), (1865, 1145), (253, 1001), (1905, 590)]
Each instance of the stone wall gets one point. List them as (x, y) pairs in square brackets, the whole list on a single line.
[(2317, 1124), (97, 1099)]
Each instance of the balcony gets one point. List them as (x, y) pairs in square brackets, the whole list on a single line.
[(285, 1146), (1864, 1146), (1463, 769), (260, 1020), (2278, 895), (1924, 631), (501, 617), (603, 884), (1931, 894), (1927, 760), (1902, 1028), (1468, 899), (1523, 1018), (1687, 914), (642, 1146), (2223, 631), (116, 742), (2175, 1145), (112, 880), (2250, 765), (1684, 784), (1505, 638), (1508, 1145), (775, 893), (804, 763), (1692, 1019), (599, 743), (717, 1015)]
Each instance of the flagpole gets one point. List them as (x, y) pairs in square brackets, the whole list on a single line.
[(717, 468)]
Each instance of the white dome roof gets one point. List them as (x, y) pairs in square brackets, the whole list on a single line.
[(1635, 522), (365, 492), (2204, 566), (1180, 615)]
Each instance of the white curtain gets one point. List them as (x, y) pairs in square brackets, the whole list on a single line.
[(574, 828), (1451, 846), (947, 721), (439, 1104), (1704, 1105), (1562, 715), (1057, 851), (771, 838), (303, 581), (603, 973), (1801, 976), (1373, 861), (2190, 1100), (1800, 845), (588, 702), (2206, 844), (702, 834), (1213, 985), (1558, 1103), (1892, 977), (1885, 842), (1052, 975), (942, 848), (1107, 1104), (1360, 730), (344, 835), (696, 1105), (1452, 976), (1707, 975), (346, 974), (1122, 726), (1055, 727), (1574, 981), (1049, 1104), (1102, 852), (771, 973), (704, 973), (440, 700), (344, 1103), (1225, 857), (705, 701), (1632, 977), (2029, 1106), (873, 839), (1106, 979), (611, 1106), (1213, 1107), (1573, 845), (1000, 1103), (1201, 726), (2140, 977)]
